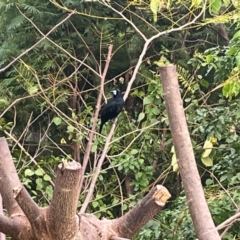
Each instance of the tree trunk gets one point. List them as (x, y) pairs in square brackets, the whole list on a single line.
[(198, 207)]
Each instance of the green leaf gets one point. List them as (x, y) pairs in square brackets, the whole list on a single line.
[(70, 129), (141, 116), (156, 111), (32, 90), (238, 59), (49, 191), (39, 184), (134, 151), (204, 83), (124, 207), (140, 161), (222, 178), (215, 6), (209, 181), (95, 204), (100, 177), (236, 35), (57, 120), (46, 177), (147, 100), (94, 148), (39, 172), (28, 172)]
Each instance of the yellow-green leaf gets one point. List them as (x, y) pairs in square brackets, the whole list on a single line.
[(141, 116), (32, 90), (208, 148), (174, 162), (215, 6), (154, 6), (207, 161)]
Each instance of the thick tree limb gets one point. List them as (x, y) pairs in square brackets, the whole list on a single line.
[(8, 179), (28, 206), (2, 236), (61, 215), (17, 227), (199, 211), (130, 223)]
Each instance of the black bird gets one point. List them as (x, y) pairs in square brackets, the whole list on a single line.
[(113, 107)]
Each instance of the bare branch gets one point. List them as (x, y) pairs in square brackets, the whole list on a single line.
[(229, 221), (97, 171), (38, 42), (58, 46), (97, 109), (126, 19), (28, 206), (149, 206)]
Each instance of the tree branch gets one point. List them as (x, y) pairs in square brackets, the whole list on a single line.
[(8, 179), (199, 211), (45, 36), (61, 214), (149, 206), (28, 206), (15, 226), (90, 142), (38, 42), (230, 220)]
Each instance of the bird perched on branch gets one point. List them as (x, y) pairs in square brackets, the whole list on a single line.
[(113, 107)]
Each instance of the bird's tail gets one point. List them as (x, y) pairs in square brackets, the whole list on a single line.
[(101, 126)]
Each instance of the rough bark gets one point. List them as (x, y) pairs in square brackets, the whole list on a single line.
[(129, 224), (2, 236), (199, 211), (64, 202), (59, 221)]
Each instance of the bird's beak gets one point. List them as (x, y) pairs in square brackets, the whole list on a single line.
[(114, 92)]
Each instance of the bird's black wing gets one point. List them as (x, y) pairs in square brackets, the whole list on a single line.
[(111, 106)]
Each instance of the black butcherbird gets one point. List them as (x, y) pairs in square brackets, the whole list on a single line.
[(113, 107)]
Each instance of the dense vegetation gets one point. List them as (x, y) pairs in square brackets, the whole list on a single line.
[(48, 98)]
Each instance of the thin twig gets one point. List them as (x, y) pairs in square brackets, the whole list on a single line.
[(90, 142), (38, 42), (58, 46), (23, 149), (230, 220)]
